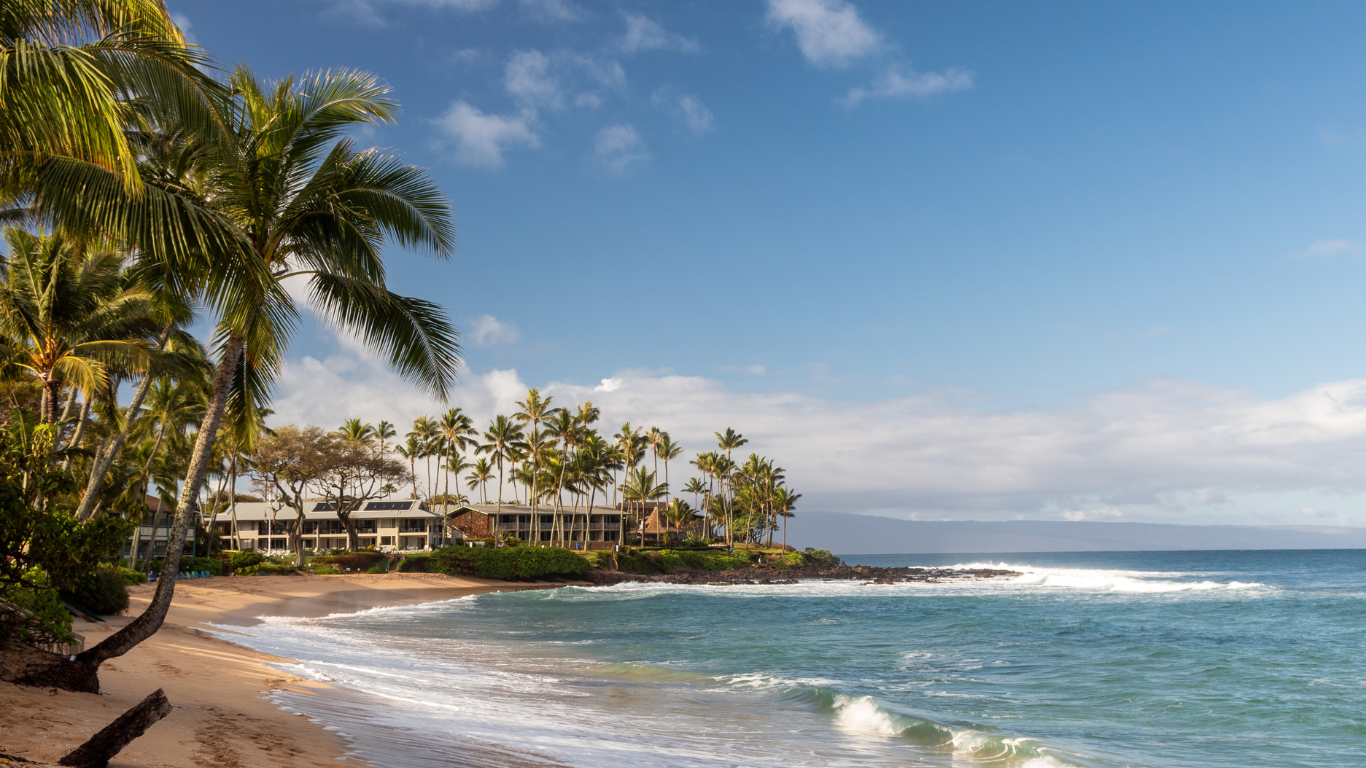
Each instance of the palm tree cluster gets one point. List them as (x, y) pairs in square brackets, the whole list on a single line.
[(554, 457), (144, 189)]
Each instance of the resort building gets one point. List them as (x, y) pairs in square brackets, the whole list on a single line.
[(394, 525), (599, 529), (150, 540)]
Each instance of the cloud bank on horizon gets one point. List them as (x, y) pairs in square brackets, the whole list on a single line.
[(1161, 450)]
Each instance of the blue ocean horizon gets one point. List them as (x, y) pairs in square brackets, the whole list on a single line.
[(1157, 659)]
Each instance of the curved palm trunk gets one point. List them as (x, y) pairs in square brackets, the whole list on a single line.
[(104, 458), (145, 625), (80, 430)]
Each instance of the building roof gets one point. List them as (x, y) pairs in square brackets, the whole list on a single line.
[(320, 510), (518, 509)]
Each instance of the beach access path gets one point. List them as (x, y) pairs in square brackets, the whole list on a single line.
[(217, 688)]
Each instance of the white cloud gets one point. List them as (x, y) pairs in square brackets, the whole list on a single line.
[(183, 21), (903, 81), (645, 34), (551, 10), (529, 80), (687, 109), (367, 11), (755, 370), (482, 138), (618, 147), (1322, 249), (829, 32), (545, 81), (488, 331)]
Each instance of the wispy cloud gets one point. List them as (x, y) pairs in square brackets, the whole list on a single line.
[(368, 11), (553, 80), (645, 34), (619, 147), (489, 331), (481, 138), (830, 33), (901, 81), (1324, 249), (686, 108)]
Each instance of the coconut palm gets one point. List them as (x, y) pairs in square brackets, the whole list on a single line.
[(73, 73), (480, 475), (66, 314), (667, 449), (412, 451), (784, 500), (291, 196), (355, 429), (383, 431), (728, 441), (503, 441), (457, 436), (641, 487), (532, 411)]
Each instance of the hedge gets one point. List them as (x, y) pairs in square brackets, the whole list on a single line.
[(356, 561), (190, 565), (507, 563)]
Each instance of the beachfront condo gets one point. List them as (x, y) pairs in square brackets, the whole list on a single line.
[(386, 525), (599, 528)]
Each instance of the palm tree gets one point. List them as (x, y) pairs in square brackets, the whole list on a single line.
[(696, 487), (502, 440), (383, 431), (356, 430), (640, 486), (66, 314), (679, 513), (667, 449), (480, 476), (532, 411), (784, 501), (426, 432), (727, 442), (287, 194), (412, 451), (70, 74), (457, 432)]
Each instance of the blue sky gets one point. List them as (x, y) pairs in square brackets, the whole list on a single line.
[(934, 219)]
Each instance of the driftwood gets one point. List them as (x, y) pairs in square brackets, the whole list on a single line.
[(97, 752)]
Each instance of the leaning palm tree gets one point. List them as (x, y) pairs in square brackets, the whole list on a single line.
[(293, 197)]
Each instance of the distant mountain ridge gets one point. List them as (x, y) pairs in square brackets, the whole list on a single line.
[(867, 534)]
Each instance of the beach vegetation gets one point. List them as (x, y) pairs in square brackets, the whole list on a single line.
[(244, 558), (509, 563), (102, 590)]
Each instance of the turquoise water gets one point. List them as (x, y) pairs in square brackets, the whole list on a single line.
[(1097, 659)]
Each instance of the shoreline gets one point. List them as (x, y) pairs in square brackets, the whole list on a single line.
[(221, 715)]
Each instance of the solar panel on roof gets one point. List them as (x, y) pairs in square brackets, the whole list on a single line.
[(388, 505)]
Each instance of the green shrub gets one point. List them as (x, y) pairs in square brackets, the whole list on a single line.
[(53, 620), (380, 566), (102, 590), (821, 557), (244, 558), (131, 577), (507, 563), (325, 570), (415, 564), (356, 561), (267, 569), (795, 558)]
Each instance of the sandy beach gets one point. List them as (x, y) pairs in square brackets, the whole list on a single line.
[(220, 717)]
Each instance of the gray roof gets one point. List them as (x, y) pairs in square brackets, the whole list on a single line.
[(519, 509), (319, 510)]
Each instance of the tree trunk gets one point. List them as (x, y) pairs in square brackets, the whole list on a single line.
[(146, 625), (105, 458), (51, 388), (101, 747), (80, 430)]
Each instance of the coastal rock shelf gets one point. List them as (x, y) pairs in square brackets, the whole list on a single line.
[(762, 574)]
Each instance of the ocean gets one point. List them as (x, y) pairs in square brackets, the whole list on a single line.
[(1153, 659)]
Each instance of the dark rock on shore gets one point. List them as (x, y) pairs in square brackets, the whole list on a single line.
[(766, 574)]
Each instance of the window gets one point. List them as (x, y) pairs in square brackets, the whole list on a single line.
[(308, 544), (386, 541), (274, 544), (311, 526), (388, 523)]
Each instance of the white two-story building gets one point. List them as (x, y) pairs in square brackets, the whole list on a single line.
[(396, 525)]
